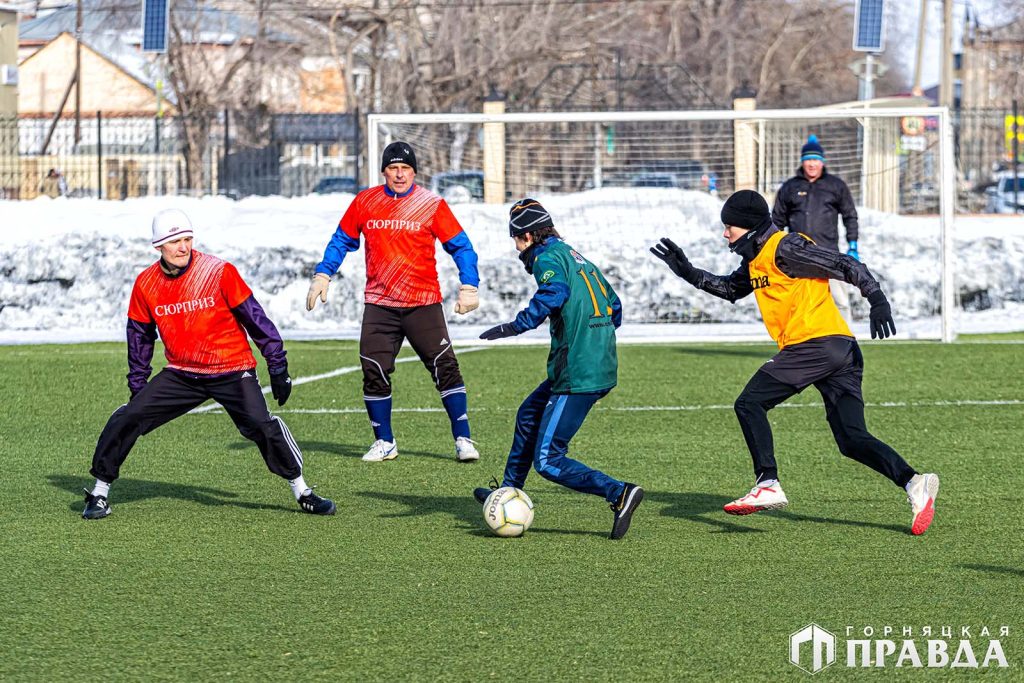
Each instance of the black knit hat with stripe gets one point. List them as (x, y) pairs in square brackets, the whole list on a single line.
[(398, 153), (527, 215)]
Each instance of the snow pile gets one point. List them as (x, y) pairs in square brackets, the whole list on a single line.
[(70, 264)]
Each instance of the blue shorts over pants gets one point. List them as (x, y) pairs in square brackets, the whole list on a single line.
[(545, 424)]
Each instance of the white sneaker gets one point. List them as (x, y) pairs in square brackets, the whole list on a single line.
[(465, 451), (921, 494), (381, 450), (759, 499)]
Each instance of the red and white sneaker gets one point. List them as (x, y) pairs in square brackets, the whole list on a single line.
[(921, 494), (759, 499)]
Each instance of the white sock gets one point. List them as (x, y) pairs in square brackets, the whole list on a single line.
[(101, 488), (911, 482), (299, 488), (767, 483)]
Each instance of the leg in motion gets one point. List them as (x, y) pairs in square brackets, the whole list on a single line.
[(167, 396), (762, 393), (242, 398)]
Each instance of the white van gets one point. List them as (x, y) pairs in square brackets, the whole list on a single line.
[(1000, 195)]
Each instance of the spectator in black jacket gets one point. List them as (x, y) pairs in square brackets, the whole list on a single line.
[(811, 201)]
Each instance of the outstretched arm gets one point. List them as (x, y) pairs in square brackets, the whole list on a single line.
[(730, 287), (799, 257), (550, 297)]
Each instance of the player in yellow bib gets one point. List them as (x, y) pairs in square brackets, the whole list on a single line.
[(789, 275)]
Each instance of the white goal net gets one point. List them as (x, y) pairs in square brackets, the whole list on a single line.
[(616, 182)]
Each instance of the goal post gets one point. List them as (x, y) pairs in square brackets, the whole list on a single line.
[(665, 168)]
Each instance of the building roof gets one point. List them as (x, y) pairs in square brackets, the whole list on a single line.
[(126, 58), (210, 26)]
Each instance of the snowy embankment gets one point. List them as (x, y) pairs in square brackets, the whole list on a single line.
[(67, 266)]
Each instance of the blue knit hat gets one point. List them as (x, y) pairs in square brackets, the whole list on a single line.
[(812, 150)]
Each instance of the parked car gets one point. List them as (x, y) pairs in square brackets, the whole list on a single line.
[(458, 186), (1000, 195), (337, 183), (690, 174), (656, 180)]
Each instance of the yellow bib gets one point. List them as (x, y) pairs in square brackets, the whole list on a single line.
[(793, 309)]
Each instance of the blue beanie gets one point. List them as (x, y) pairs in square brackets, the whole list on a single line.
[(812, 150)]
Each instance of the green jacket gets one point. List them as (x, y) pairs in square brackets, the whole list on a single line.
[(584, 311)]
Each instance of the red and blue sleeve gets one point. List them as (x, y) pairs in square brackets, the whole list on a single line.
[(344, 240)]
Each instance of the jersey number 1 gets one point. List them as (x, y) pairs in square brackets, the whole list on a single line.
[(593, 296)]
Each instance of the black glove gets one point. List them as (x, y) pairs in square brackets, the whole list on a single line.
[(499, 332), (671, 254), (281, 386), (882, 325)]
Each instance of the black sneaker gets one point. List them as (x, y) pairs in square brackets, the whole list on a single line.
[(315, 505), (623, 508), (96, 507), (481, 492)]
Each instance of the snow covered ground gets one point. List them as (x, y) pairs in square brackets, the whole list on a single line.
[(67, 266)]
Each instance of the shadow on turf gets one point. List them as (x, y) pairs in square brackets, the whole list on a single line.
[(994, 569), (725, 350), (706, 508), (131, 490), (346, 450), (903, 529), (462, 508)]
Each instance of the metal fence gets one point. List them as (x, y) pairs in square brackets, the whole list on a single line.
[(226, 153), (243, 153), (987, 140)]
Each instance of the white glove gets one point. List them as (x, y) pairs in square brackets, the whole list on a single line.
[(469, 299), (317, 288)]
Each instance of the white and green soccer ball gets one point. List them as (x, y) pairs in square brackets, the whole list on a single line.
[(508, 511)]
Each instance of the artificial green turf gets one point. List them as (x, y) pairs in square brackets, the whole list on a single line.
[(207, 569)]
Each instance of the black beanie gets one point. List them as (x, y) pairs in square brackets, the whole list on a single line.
[(527, 215), (746, 209), (398, 153)]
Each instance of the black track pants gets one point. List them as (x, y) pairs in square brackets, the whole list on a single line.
[(835, 367), (171, 394), (384, 329)]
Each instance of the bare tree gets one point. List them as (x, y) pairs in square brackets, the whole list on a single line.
[(425, 55), (219, 61)]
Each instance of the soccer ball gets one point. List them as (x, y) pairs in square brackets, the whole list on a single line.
[(508, 511)]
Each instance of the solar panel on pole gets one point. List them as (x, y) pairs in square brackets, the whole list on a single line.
[(155, 21), (869, 26)]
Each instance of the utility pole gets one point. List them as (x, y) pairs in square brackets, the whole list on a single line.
[(946, 88), (917, 90), (78, 73)]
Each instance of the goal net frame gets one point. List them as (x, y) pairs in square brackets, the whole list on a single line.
[(755, 128)]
